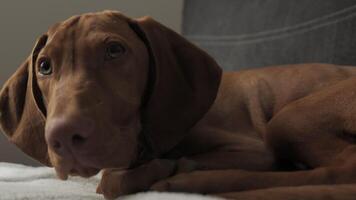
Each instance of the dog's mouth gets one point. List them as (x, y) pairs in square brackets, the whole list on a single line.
[(65, 167), (83, 166), (98, 154)]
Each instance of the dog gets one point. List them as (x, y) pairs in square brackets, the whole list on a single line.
[(102, 91)]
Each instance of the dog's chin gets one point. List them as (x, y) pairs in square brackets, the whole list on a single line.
[(85, 172)]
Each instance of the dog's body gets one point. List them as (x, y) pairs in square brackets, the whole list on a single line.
[(103, 91), (248, 100)]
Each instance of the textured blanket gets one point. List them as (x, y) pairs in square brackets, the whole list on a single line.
[(24, 182)]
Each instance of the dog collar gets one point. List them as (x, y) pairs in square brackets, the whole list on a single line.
[(145, 146)]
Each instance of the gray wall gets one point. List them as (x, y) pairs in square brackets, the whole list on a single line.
[(21, 22)]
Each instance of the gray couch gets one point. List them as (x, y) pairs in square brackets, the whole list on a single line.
[(255, 33)]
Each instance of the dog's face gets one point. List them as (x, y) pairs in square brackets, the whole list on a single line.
[(77, 101), (92, 72)]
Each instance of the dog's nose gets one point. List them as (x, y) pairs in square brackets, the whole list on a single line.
[(67, 135)]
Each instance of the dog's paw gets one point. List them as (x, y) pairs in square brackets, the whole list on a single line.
[(115, 183)]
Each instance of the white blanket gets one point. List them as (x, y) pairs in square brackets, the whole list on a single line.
[(24, 182)]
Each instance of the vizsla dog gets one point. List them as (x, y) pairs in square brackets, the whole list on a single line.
[(102, 91)]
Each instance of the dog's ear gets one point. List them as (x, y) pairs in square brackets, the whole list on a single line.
[(22, 112), (186, 81)]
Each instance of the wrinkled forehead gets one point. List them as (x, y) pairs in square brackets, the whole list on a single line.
[(90, 26)]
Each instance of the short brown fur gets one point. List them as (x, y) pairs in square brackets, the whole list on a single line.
[(163, 116)]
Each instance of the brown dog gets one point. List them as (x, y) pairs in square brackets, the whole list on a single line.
[(103, 91)]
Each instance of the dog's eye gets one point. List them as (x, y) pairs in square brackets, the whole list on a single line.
[(45, 68), (114, 50)]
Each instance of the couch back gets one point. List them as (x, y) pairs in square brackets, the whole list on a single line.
[(256, 33)]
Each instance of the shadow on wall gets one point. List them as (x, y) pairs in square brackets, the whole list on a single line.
[(22, 22)]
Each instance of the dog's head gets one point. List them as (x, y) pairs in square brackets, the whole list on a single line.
[(92, 84)]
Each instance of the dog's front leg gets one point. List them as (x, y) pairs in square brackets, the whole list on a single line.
[(222, 181), (117, 182)]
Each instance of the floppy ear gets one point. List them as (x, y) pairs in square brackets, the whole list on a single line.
[(22, 112), (186, 81)]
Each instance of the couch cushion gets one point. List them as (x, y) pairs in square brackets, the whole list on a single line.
[(255, 33)]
